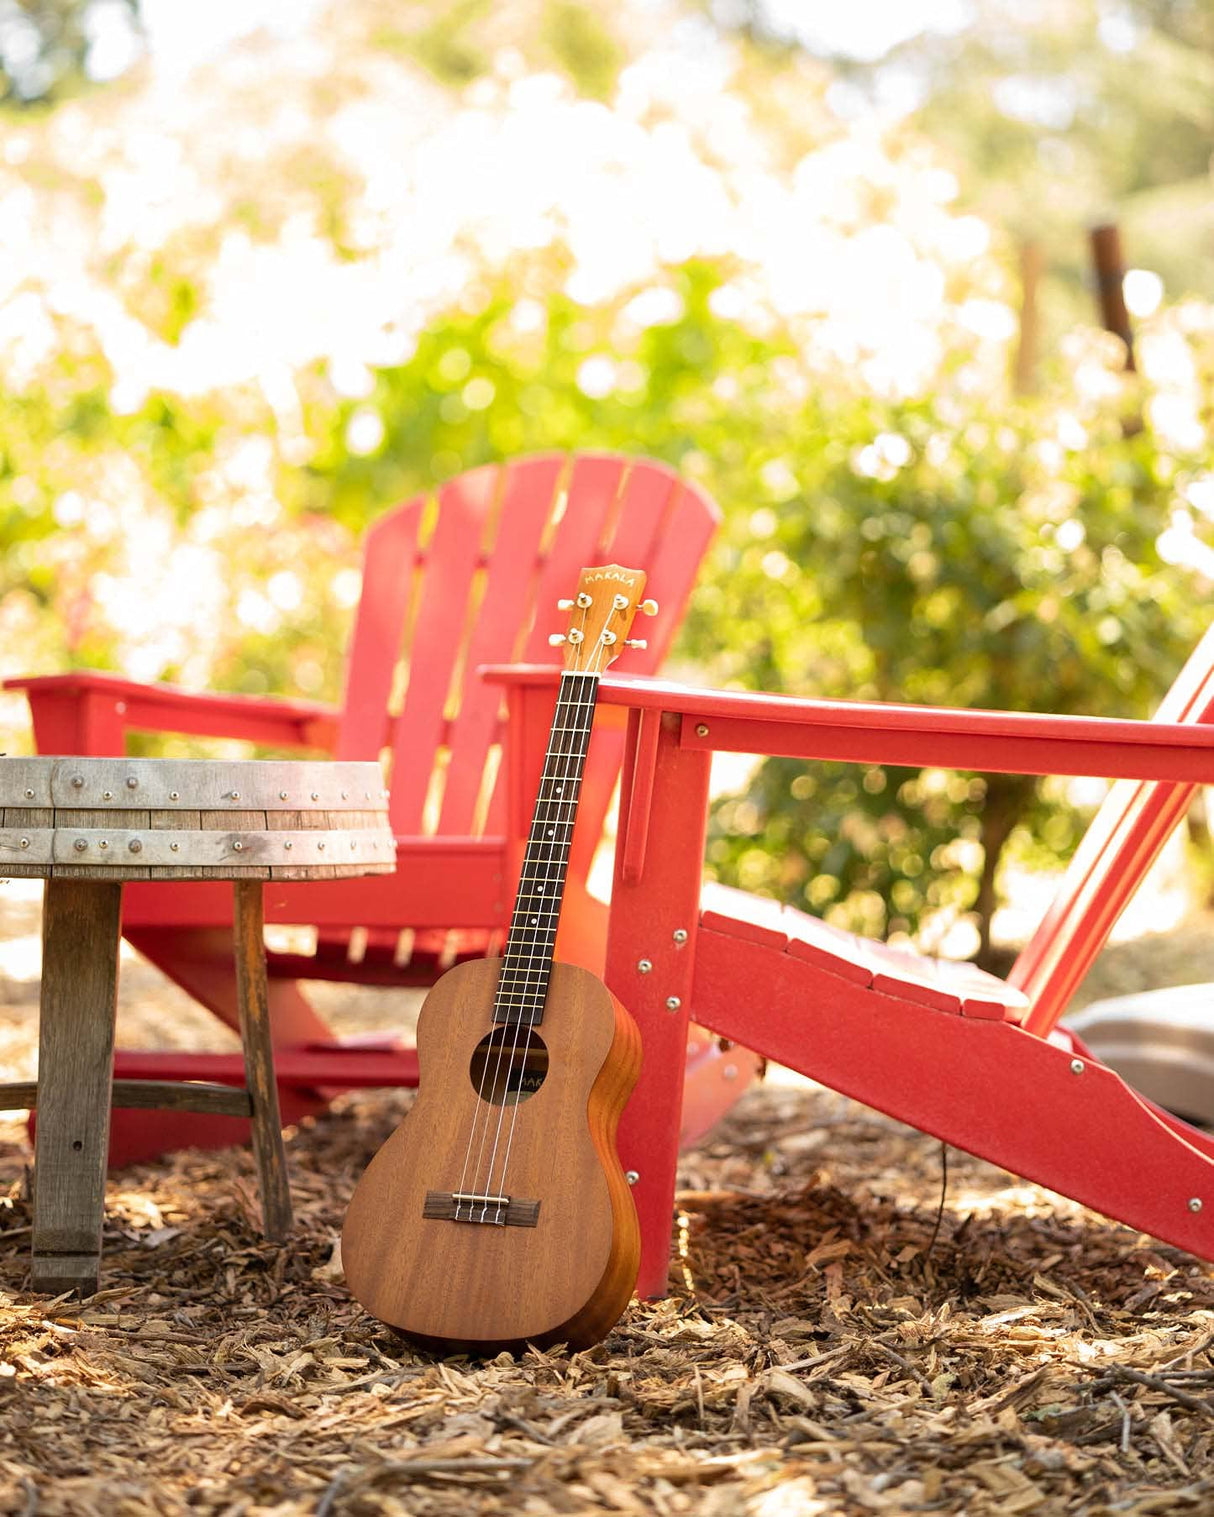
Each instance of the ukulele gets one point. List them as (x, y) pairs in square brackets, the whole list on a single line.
[(497, 1214)]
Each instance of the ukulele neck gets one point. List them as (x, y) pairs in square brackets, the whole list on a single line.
[(527, 963)]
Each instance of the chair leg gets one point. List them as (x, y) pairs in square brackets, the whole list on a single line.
[(80, 927), (269, 1153)]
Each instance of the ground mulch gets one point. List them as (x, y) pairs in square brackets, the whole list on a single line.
[(835, 1341)]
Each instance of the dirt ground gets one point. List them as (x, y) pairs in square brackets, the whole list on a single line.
[(833, 1342)]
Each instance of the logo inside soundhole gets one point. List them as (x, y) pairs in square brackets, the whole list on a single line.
[(509, 1065)]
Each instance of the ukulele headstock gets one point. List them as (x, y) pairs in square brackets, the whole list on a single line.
[(601, 616)]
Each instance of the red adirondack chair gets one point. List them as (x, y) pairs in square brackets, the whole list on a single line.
[(449, 583), (977, 1061)]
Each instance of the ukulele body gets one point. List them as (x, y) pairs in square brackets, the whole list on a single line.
[(560, 1272)]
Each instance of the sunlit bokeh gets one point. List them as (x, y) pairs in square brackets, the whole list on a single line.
[(237, 321)]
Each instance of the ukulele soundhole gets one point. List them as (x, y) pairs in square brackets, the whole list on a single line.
[(509, 1065)]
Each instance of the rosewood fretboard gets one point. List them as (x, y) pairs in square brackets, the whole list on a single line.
[(528, 958)]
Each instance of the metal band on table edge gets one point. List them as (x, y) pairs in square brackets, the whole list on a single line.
[(193, 784), (158, 847)]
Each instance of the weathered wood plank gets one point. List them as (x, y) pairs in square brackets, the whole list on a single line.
[(75, 1066), (109, 827), (35, 823), (269, 1153), (147, 1095)]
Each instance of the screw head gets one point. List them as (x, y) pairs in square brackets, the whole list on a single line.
[(644, 966), (701, 729), (345, 795), (1195, 1203), (107, 795), (321, 846), (238, 846), (315, 795), (632, 1176), (288, 846), (282, 795), (29, 795), (103, 844), (79, 845), (680, 934), (1076, 1066), (235, 795), (174, 796), (25, 842), (131, 782), (135, 846), (77, 782), (174, 847), (673, 1003), (353, 843)]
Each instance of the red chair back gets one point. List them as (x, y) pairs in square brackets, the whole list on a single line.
[(470, 576)]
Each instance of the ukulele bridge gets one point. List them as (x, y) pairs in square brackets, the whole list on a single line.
[(471, 1206)]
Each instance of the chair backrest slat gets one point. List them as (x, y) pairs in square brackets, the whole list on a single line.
[(529, 494), (390, 556), (1124, 839), (464, 506)]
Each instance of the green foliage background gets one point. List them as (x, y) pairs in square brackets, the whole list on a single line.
[(967, 546)]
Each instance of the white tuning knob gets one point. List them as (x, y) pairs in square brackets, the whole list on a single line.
[(649, 607), (555, 639), (564, 605), (636, 642)]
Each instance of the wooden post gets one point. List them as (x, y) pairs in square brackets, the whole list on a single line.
[(80, 926), (1025, 369), (1110, 274), (268, 1152)]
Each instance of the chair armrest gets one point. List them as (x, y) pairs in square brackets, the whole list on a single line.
[(1008, 742), (90, 713)]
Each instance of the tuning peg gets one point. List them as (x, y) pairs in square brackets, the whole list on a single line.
[(649, 607), (635, 642), (555, 639), (564, 605)]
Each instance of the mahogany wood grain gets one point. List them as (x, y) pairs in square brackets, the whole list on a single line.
[(477, 1287)]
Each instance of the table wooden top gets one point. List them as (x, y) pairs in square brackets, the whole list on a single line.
[(127, 819)]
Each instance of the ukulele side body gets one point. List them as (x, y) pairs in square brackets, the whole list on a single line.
[(479, 1286)]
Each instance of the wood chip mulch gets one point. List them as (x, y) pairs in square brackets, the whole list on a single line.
[(834, 1343)]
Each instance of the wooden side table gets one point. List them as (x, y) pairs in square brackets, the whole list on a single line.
[(87, 824)]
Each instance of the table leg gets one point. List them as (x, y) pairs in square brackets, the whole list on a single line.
[(80, 927), (252, 997)]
